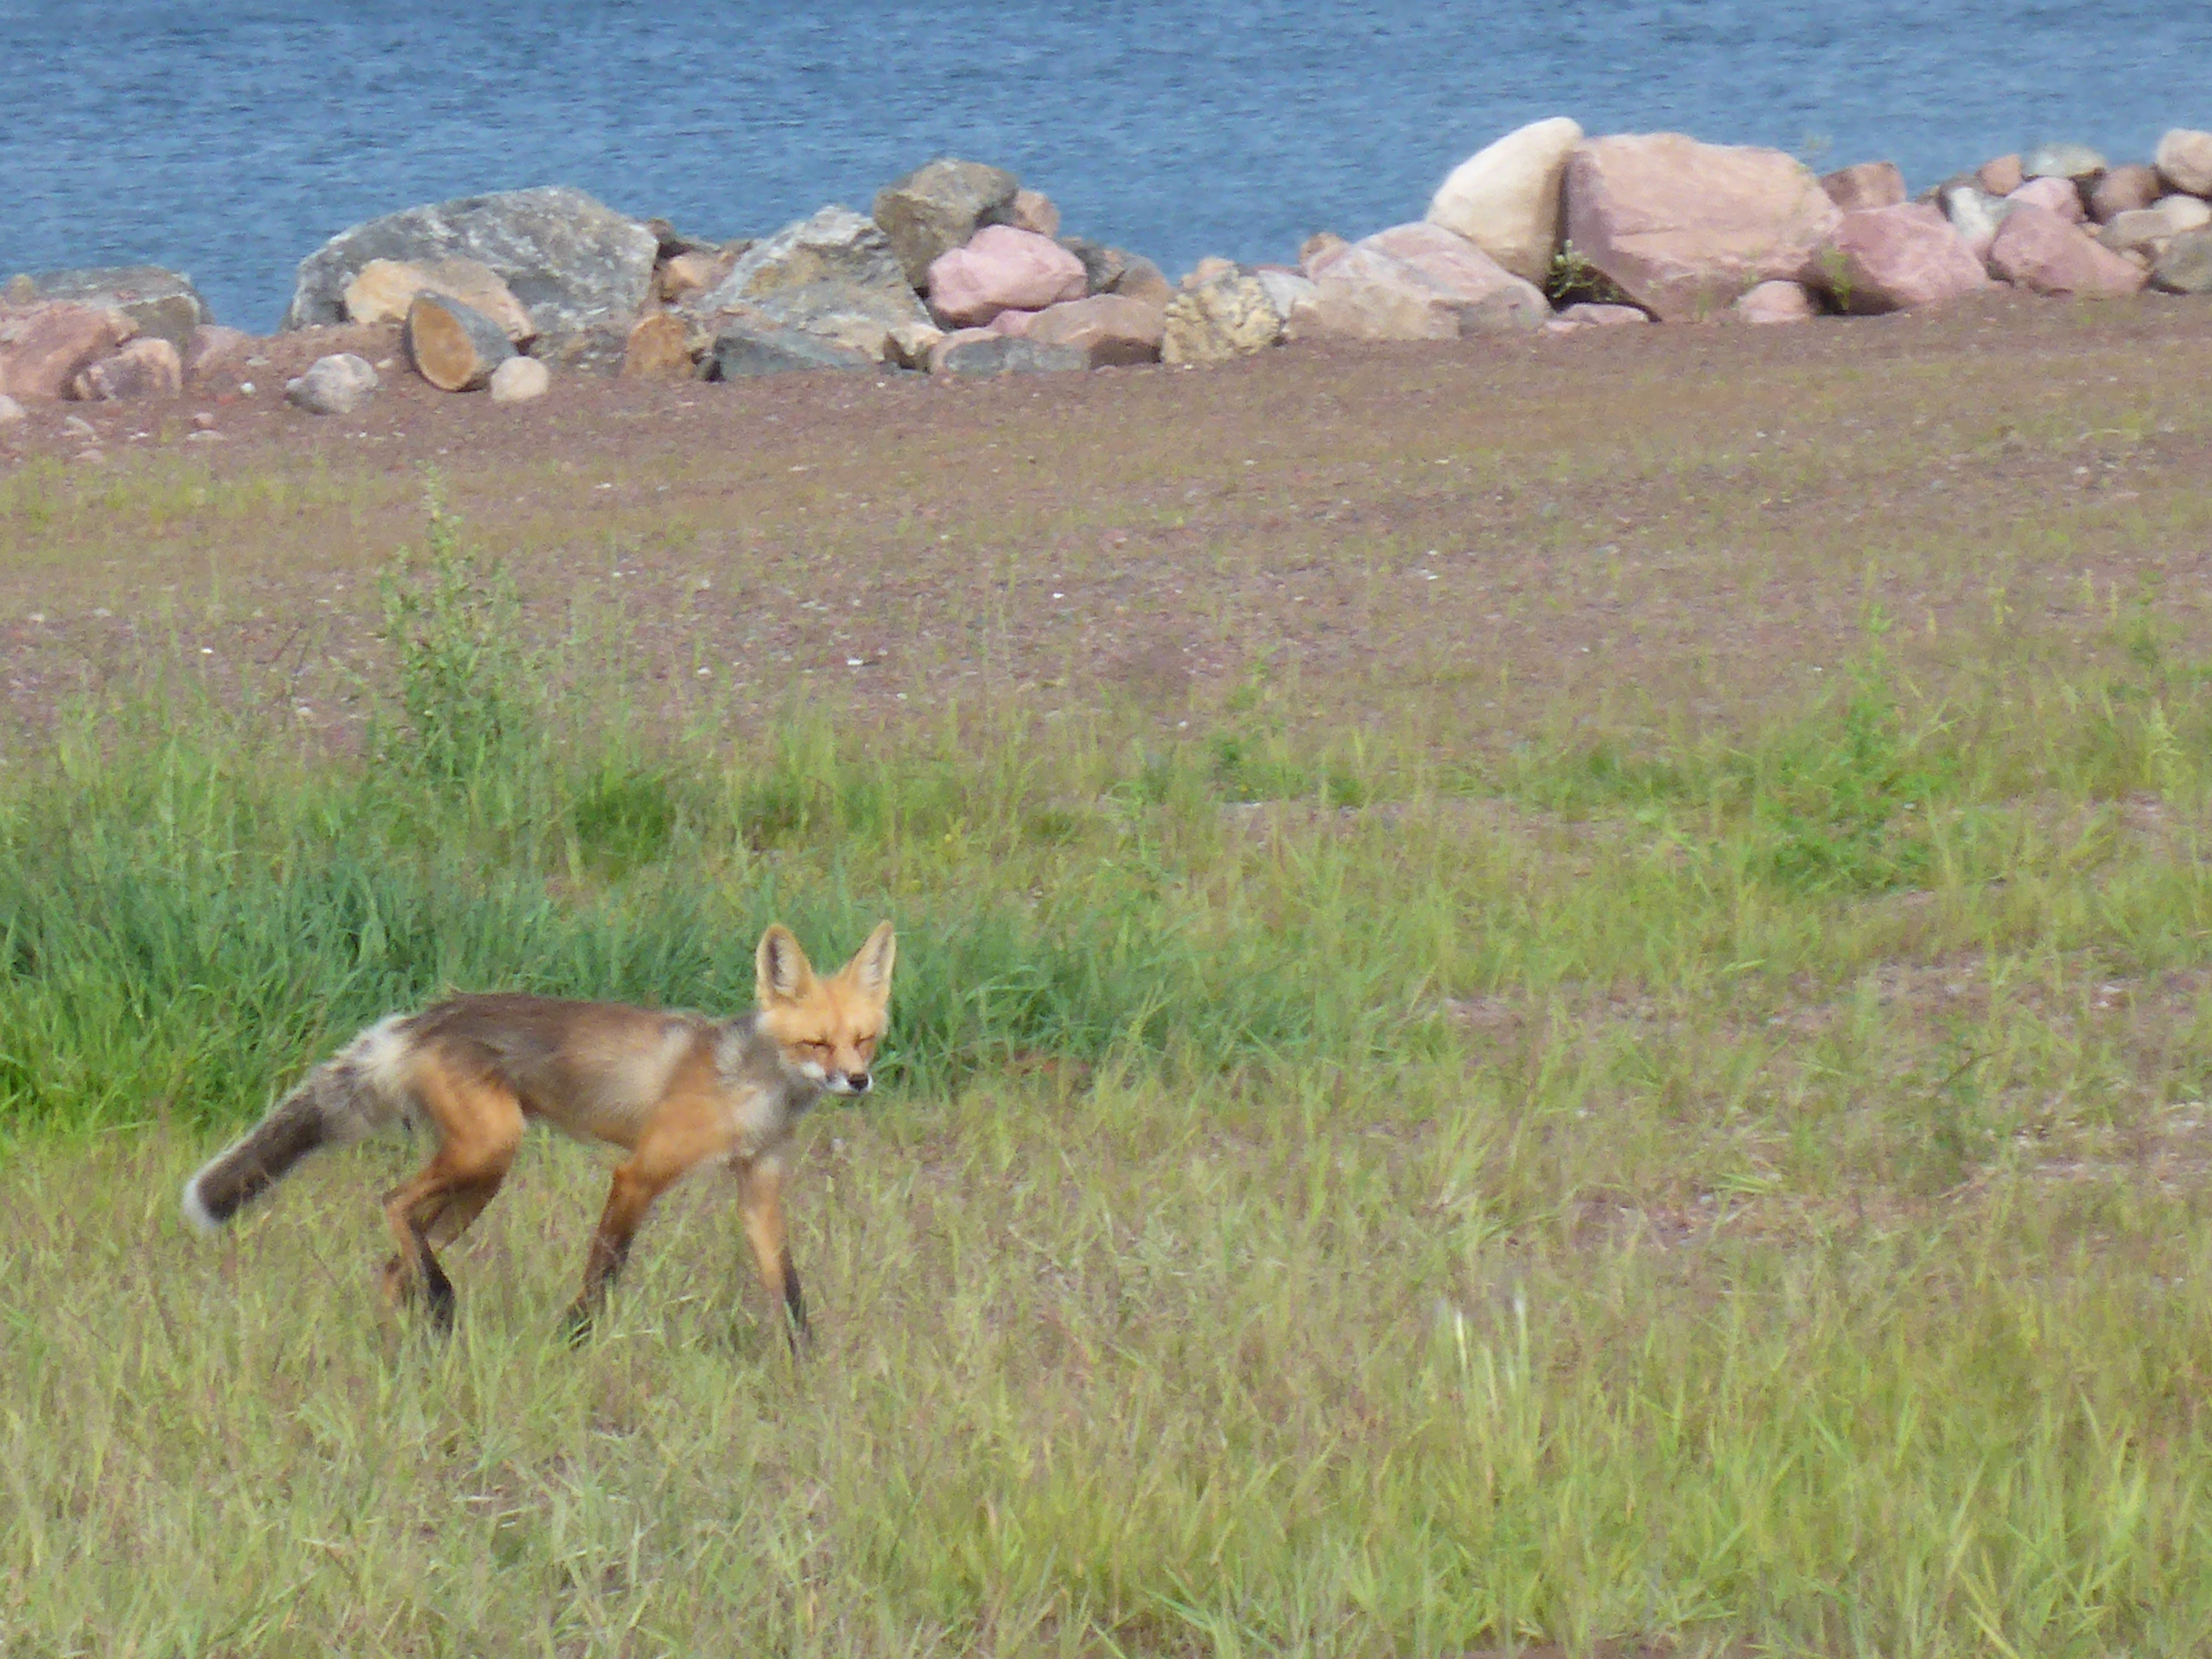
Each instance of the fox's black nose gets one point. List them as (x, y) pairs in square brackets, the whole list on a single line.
[(858, 1082)]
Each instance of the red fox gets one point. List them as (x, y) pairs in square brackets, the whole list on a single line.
[(675, 1090)]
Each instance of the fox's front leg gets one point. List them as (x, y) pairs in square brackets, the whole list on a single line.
[(760, 1200), (636, 1184)]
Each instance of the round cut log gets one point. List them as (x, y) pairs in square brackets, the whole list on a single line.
[(456, 348)]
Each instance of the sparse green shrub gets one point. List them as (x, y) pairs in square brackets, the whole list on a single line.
[(453, 622)]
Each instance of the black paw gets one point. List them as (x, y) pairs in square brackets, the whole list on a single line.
[(577, 1325)]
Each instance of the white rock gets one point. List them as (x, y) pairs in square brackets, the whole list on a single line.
[(518, 379), (2184, 159), (1505, 198), (10, 410), (336, 385)]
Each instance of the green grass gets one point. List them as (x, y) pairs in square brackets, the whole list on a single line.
[(1741, 1193)]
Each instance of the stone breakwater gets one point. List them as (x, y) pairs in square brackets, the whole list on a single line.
[(958, 271)]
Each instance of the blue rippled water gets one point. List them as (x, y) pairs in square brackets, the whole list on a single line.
[(228, 139)]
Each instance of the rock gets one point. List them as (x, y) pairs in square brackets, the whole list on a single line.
[(2076, 162), (2185, 265), (1417, 281), (937, 208), (383, 289), (454, 347), (148, 366), (977, 352), (162, 303), (746, 349), (1505, 198), (1589, 314), (1205, 271), (1286, 289), (834, 275), (10, 410), (518, 379), (572, 264), (1115, 270), (693, 273), (1900, 258), (2037, 250), (597, 350), (336, 384), (1031, 210), (2125, 190), (1777, 302), (1012, 322), (1682, 228), (1110, 329), (2145, 230), (1864, 187), (659, 348), (1229, 316), (1142, 281), (44, 347), (2054, 195), (2186, 212), (1318, 249), (1003, 269), (2002, 176), (213, 348), (2184, 161), (1975, 215)]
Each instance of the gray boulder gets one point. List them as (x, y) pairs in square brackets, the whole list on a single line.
[(336, 384), (747, 350), (834, 274), (937, 208), (1115, 270), (2075, 162), (2186, 265), (1007, 354), (574, 264), (163, 303)]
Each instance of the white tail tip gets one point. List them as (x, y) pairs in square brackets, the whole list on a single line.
[(196, 1214)]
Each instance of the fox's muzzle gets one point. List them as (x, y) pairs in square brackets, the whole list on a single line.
[(852, 1083)]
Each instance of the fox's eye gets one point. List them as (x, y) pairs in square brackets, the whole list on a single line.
[(866, 1046)]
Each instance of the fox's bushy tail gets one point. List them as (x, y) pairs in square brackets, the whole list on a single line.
[(357, 1091)]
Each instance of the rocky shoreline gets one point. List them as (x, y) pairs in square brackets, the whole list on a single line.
[(959, 271)]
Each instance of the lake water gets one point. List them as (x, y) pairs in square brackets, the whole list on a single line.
[(228, 139)]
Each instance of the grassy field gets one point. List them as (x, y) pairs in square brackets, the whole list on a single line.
[(1561, 1006)]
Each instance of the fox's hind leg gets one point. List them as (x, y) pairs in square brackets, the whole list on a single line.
[(479, 1127)]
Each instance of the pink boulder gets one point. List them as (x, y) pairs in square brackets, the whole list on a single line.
[(1113, 328), (1777, 302), (2060, 196), (1012, 322), (1868, 186), (1898, 258), (2002, 175), (1681, 228), (1002, 269), (44, 347), (148, 366), (1415, 281), (2037, 250), (214, 347)]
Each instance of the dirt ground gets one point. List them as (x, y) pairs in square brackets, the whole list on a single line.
[(1637, 527)]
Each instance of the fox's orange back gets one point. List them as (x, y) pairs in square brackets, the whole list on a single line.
[(828, 1025)]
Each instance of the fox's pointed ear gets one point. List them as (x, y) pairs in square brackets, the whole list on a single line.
[(871, 966), (781, 970)]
